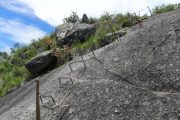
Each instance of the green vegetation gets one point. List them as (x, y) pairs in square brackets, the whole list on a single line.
[(125, 20), (11, 76), (165, 8), (87, 44), (103, 27), (12, 70), (73, 18), (4, 55)]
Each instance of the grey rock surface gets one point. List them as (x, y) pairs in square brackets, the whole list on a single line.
[(149, 56), (41, 62), (69, 33), (133, 78)]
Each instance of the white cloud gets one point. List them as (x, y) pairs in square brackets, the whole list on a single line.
[(5, 48), (19, 32), (16, 6), (53, 11)]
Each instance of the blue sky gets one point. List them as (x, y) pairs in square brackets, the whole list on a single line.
[(20, 26), (24, 20)]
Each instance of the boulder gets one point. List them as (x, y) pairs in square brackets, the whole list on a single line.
[(42, 62), (69, 33)]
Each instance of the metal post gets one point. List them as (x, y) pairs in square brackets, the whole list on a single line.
[(149, 10), (93, 53), (37, 101), (60, 82), (70, 66)]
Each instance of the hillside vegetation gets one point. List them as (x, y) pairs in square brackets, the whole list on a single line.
[(12, 70)]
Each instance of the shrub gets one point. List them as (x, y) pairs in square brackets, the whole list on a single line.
[(10, 76), (85, 45), (106, 16), (63, 55), (125, 20), (9, 81), (73, 18)]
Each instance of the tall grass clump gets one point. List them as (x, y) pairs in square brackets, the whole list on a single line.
[(11, 76)]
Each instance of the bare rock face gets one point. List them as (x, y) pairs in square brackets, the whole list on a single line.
[(41, 62), (69, 33), (149, 56)]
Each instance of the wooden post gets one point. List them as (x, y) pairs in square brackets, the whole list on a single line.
[(37, 101)]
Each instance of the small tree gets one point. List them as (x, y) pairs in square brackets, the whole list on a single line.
[(73, 18), (85, 19)]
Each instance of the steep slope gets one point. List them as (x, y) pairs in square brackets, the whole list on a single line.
[(149, 57), (136, 77)]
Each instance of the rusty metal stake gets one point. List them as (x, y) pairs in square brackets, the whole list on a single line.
[(47, 96), (93, 53), (70, 67), (149, 10), (60, 82), (37, 101), (60, 78)]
